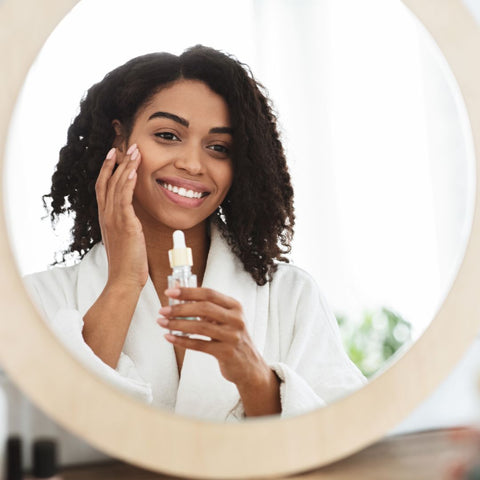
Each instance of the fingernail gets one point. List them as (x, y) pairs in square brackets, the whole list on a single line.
[(172, 292), (131, 149), (165, 310), (163, 322), (134, 154), (110, 153), (131, 174)]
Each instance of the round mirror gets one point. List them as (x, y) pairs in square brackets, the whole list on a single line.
[(333, 417)]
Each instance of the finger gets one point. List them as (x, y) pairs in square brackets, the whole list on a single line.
[(126, 183), (205, 294), (103, 176), (197, 327), (114, 179), (206, 346), (209, 311)]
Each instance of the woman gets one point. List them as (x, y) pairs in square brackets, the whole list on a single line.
[(190, 143)]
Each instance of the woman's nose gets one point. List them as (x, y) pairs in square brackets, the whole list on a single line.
[(190, 160)]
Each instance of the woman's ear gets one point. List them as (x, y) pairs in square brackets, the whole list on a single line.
[(119, 141)]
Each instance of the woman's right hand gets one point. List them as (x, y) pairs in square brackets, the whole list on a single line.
[(121, 229)]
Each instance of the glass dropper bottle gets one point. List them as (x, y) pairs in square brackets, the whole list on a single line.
[(180, 257)]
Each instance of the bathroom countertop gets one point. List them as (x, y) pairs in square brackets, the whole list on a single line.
[(427, 455)]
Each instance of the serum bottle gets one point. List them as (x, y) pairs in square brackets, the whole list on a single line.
[(180, 257)]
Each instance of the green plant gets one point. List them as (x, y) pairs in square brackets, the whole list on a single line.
[(373, 338)]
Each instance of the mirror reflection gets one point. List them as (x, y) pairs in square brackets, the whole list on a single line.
[(376, 142)]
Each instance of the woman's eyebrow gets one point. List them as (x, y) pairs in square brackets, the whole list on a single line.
[(171, 116), (186, 123), (221, 130)]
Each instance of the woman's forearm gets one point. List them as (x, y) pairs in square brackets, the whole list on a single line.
[(106, 323)]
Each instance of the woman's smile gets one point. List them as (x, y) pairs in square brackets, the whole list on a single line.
[(182, 192)]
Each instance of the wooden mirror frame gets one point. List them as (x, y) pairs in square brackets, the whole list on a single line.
[(160, 441)]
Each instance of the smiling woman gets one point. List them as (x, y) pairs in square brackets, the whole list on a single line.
[(190, 143)]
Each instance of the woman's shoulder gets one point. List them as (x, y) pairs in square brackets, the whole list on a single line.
[(53, 274), (293, 281), (68, 286), (289, 273), (64, 275)]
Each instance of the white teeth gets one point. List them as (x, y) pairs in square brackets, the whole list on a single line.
[(183, 192)]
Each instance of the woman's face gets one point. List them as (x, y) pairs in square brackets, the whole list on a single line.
[(185, 139)]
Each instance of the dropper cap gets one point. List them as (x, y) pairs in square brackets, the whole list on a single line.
[(180, 255)]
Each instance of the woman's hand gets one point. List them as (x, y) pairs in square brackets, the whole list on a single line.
[(221, 320), (107, 321), (121, 230)]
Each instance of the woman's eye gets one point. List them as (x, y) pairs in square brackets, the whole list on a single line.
[(220, 149), (167, 136)]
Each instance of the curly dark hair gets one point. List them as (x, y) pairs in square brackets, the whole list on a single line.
[(256, 217)]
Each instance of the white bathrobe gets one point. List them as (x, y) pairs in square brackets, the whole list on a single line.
[(287, 319)]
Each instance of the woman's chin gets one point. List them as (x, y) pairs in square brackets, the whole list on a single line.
[(183, 224)]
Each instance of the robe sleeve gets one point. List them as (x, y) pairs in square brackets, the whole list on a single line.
[(314, 368), (53, 295)]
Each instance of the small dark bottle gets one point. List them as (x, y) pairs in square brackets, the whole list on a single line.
[(45, 459), (14, 459)]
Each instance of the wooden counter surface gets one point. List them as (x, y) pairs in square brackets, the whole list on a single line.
[(416, 456)]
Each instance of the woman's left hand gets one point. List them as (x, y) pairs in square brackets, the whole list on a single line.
[(221, 319)]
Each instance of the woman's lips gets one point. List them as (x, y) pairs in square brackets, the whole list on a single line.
[(184, 183), (182, 195)]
